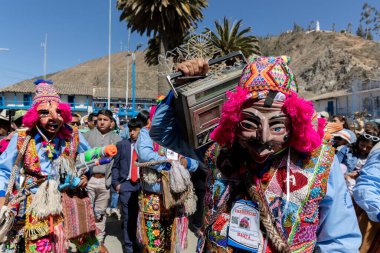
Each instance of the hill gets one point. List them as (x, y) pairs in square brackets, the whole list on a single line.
[(322, 61), (91, 78), (326, 61)]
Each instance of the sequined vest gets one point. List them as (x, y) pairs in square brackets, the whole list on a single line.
[(298, 225)]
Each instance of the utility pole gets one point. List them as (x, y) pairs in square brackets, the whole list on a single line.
[(44, 45), (109, 57), (127, 82)]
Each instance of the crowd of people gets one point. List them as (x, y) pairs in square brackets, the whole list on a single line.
[(279, 176)]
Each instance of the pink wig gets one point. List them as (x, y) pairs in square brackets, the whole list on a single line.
[(304, 137), (30, 119), (224, 133), (152, 111)]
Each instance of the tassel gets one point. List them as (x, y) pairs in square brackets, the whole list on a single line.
[(54, 203), (179, 234), (46, 201), (190, 202)]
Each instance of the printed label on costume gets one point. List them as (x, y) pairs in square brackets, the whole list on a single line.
[(244, 230), (170, 154)]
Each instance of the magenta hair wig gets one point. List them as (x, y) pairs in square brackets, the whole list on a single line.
[(224, 133), (31, 117), (152, 111), (304, 137), (65, 112)]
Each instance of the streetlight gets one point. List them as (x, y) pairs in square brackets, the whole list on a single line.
[(109, 56), (134, 78)]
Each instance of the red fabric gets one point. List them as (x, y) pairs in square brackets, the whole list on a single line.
[(134, 168)]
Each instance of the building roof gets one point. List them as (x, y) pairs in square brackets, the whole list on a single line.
[(341, 93)]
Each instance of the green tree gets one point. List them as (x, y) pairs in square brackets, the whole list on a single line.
[(161, 19), (367, 14), (369, 35), (360, 31), (297, 28), (349, 28), (230, 37)]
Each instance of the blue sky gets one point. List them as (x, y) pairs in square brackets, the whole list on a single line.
[(78, 29)]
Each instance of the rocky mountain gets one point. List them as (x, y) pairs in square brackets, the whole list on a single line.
[(326, 61), (323, 62)]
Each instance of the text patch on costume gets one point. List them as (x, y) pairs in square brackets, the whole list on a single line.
[(244, 229), (170, 154)]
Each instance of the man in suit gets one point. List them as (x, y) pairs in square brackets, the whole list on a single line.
[(125, 179)]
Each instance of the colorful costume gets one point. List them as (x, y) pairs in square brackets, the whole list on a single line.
[(292, 183), (40, 224), (162, 224)]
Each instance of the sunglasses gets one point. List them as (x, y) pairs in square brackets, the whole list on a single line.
[(371, 137), (75, 123)]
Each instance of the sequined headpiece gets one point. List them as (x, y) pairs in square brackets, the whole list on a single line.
[(45, 91)]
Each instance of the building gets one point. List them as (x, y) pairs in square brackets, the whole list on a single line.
[(81, 99), (364, 96)]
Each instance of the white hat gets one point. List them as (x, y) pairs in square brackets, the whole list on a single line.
[(344, 134)]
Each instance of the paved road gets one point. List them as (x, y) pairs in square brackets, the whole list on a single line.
[(114, 238)]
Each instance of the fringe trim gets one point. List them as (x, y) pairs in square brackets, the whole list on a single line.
[(179, 234)]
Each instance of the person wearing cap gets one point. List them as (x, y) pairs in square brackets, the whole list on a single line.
[(273, 185), (341, 139), (4, 124), (16, 124), (51, 146)]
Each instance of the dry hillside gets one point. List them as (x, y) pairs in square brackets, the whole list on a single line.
[(326, 61), (322, 61)]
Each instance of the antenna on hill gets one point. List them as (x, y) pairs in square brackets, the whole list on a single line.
[(127, 82), (44, 45)]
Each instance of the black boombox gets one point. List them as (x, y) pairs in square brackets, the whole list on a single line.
[(198, 104)]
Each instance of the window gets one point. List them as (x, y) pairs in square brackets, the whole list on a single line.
[(71, 100), (330, 107), (27, 99)]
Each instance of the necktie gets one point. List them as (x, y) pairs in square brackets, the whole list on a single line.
[(134, 168)]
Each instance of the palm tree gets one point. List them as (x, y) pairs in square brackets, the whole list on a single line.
[(164, 19), (231, 38)]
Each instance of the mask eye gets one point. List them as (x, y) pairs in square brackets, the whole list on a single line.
[(43, 113), (248, 126)]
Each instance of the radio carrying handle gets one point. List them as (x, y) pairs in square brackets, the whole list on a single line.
[(211, 62)]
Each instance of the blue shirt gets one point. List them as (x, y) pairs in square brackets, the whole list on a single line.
[(8, 158), (338, 227), (367, 189), (145, 152)]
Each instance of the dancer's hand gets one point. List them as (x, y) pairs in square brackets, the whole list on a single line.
[(83, 181), (2, 200), (193, 67)]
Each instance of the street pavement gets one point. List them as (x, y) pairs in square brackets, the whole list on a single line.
[(114, 237)]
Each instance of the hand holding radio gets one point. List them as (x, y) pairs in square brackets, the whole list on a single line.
[(195, 67)]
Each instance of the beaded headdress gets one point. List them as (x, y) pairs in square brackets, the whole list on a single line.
[(45, 91)]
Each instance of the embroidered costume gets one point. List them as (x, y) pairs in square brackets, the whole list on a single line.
[(162, 223), (270, 154), (41, 223)]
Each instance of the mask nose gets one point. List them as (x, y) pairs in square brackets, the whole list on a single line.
[(266, 134)]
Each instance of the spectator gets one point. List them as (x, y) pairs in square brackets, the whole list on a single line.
[(371, 128), (92, 120), (125, 179), (4, 124), (100, 181), (75, 121), (354, 157), (16, 124), (341, 119), (367, 196)]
